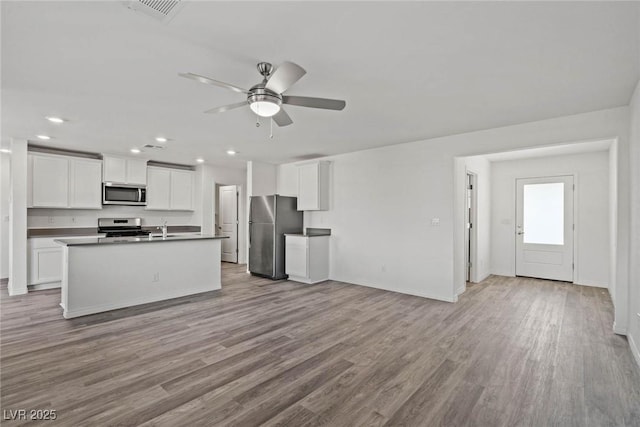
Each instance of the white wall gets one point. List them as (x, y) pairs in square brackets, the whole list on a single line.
[(481, 167), (261, 178), (5, 178), (383, 201), (591, 171), (18, 219), (634, 270)]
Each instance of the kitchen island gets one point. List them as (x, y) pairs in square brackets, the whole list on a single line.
[(102, 274)]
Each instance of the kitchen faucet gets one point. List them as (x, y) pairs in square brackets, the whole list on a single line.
[(164, 230)]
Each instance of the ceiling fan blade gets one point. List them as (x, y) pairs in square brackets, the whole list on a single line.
[(285, 76), (306, 101), (226, 107), (207, 80), (282, 118)]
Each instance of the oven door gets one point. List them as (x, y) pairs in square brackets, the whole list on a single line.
[(122, 194)]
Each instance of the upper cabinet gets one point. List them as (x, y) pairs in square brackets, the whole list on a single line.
[(123, 170), (169, 189), (85, 185), (64, 182), (313, 186)]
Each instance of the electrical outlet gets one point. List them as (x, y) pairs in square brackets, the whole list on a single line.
[(73, 219), (156, 277), (51, 220), (435, 221)]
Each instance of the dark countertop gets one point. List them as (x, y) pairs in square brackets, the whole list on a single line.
[(93, 231), (312, 232), (93, 241)]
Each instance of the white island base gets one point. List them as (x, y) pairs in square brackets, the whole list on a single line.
[(102, 277)]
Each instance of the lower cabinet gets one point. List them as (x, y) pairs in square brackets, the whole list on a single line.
[(307, 258), (45, 263)]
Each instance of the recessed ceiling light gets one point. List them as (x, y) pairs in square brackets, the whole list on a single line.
[(200, 160), (45, 137), (161, 139), (231, 152), (55, 119), (4, 150), (135, 150)]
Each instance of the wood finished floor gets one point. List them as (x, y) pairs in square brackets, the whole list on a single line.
[(511, 352)]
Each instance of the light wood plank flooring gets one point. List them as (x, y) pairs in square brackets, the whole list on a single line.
[(511, 352)]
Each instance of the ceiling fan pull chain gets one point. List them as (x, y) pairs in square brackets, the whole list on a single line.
[(271, 133), (257, 121)]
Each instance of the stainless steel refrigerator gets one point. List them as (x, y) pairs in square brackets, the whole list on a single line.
[(270, 217)]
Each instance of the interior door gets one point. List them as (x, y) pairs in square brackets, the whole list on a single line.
[(544, 228), (228, 200)]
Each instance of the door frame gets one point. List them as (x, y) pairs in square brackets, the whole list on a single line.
[(238, 215), (575, 233), (471, 233)]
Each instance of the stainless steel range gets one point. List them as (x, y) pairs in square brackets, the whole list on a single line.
[(121, 227)]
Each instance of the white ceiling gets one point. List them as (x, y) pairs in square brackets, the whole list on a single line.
[(408, 71)]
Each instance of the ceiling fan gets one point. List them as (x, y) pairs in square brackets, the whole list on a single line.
[(266, 98)]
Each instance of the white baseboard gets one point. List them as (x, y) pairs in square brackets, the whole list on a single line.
[(453, 298), (619, 330), (43, 286), (592, 284), (84, 311), (634, 349)]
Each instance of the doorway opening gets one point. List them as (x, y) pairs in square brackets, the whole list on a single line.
[(227, 220), (470, 218)]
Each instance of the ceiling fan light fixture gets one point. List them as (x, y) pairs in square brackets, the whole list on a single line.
[(265, 108), (264, 103)]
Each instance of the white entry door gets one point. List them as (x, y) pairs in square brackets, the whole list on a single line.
[(228, 200), (544, 228)]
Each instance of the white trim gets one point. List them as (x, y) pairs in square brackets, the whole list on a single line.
[(634, 349), (139, 301), (453, 298), (619, 330), (43, 286), (305, 280)]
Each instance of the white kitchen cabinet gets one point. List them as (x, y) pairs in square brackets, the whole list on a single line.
[(45, 262), (49, 181), (123, 170), (85, 184), (136, 171), (158, 188), (313, 186), (64, 182), (181, 190), (169, 189), (307, 258)]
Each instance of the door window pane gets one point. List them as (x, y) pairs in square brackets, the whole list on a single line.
[(544, 213)]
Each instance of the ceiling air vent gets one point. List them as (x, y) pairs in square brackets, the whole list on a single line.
[(153, 147), (162, 10)]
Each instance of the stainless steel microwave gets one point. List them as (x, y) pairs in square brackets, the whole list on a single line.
[(123, 194)]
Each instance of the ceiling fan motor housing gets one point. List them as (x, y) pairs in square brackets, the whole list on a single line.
[(259, 93)]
